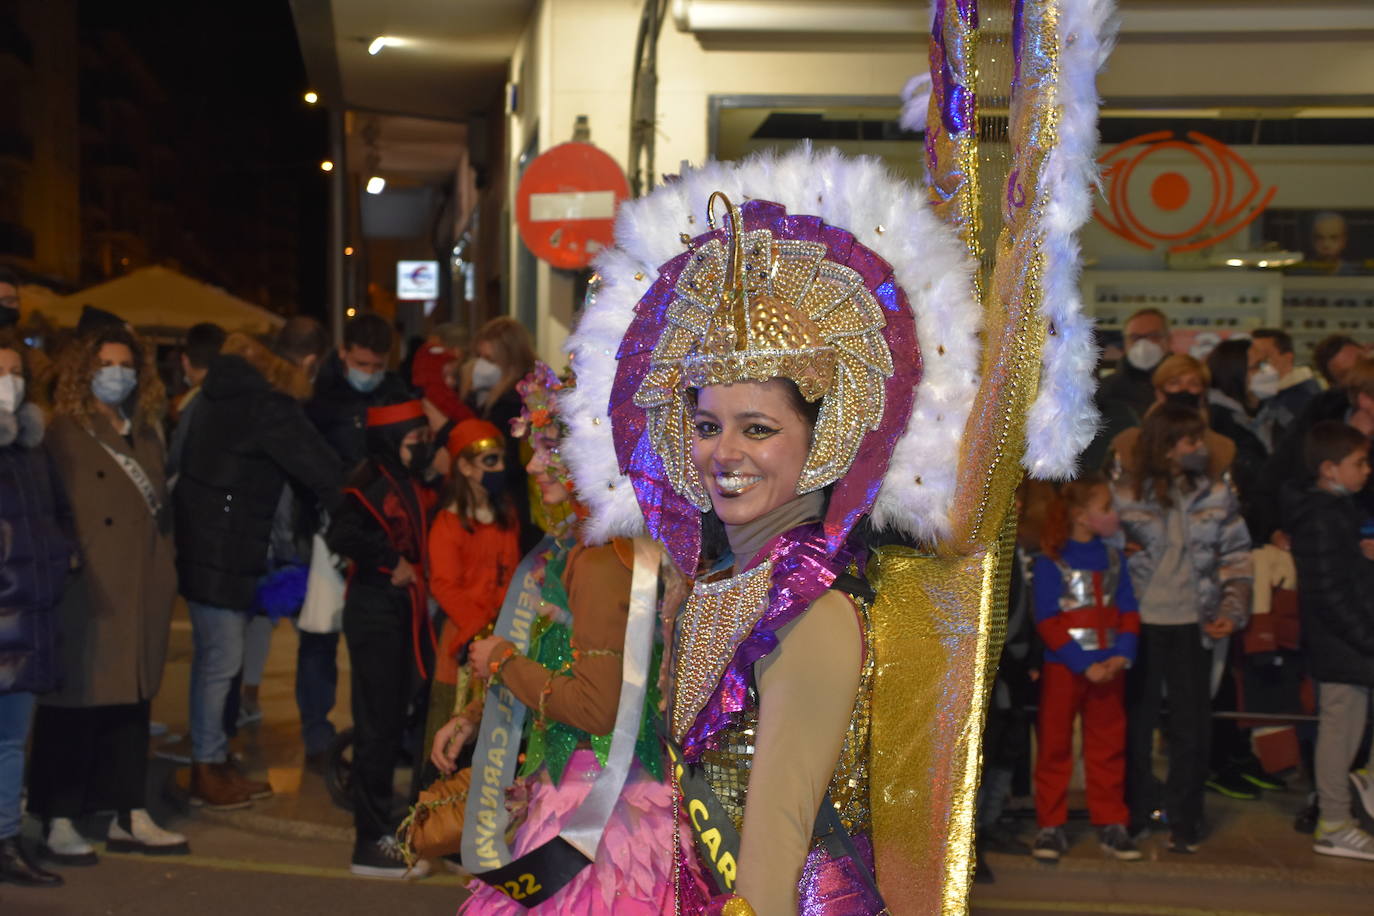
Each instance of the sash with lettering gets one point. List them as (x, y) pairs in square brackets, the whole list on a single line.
[(541, 873)]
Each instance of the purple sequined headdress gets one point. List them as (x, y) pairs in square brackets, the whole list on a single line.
[(828, 274)]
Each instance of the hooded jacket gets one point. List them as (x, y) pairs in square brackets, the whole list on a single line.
[(1218, 542), (246, 441), (37, 541), (339, 411), (1335, 586)]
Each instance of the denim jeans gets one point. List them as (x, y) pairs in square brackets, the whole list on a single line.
[(16, 713), (218, 637), (317, 681)]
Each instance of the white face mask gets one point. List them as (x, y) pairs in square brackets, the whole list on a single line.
[(11, 392), (1264, 384), (1144, 354), (485, 373)]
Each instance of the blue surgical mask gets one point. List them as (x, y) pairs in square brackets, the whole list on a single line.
[(113, 384), (364, 382)]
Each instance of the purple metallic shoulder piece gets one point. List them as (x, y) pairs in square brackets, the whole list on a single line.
[(804, 568)]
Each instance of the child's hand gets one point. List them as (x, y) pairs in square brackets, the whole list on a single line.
[(1115, 665), (1367, 548), (1097, 673), (1219, 628)]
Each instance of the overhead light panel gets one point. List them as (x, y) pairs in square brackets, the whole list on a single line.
[(376, 184)]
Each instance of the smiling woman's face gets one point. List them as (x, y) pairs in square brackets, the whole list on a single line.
[(750, 446)]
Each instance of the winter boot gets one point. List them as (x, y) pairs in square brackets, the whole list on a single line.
[(134, 831), (66, 846)]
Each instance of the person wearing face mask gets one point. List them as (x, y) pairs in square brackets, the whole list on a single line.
[(249, 449), (1287, 387), (35, 554), (1191, 569), (1182, 381), (90, 737), (1236, 410), (1125, 394), (503, 355), (382, 530), (473, 549), (1085, 612), (352, 379)]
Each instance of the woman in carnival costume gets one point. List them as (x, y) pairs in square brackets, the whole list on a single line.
[(574, 659), (839, 357)]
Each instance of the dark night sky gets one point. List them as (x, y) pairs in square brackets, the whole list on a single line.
[(233, 75)]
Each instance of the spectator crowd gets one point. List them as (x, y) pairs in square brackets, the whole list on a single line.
[(1216, 554)]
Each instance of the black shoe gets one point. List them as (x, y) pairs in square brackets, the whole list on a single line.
[(1255, 774), (1003, 841), (384, 859), (317, 763), (1232, 785), (1306, 820), (982, 874), (1116, 841), (1050, 843), (17, 868), (1183, 843)]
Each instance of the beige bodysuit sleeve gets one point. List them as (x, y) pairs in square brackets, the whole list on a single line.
[(807, 688)]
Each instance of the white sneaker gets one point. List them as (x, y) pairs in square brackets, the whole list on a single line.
[(66, 845), (144, 836), (1362, 785), (1347, 841)]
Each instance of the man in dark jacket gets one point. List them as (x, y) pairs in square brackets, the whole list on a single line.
[(248, 441), (1335, 562), (1287, 469), (1128, 392), (352, 380)]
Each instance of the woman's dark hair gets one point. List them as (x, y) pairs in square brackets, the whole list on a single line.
[(1165, 426), (458, 494), (1229, 363)]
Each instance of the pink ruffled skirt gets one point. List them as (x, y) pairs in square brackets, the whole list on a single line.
[(632, 873)]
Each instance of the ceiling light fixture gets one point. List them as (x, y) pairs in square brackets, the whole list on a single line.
[(326, 166), (311, 97), (381, 41), (376, 184)]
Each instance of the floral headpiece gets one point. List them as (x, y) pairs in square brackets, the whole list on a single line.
[(539, 414)]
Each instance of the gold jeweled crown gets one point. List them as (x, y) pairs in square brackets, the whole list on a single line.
[(754, 308)]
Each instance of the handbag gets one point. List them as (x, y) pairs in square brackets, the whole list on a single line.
[(322, 611), (434, 826)]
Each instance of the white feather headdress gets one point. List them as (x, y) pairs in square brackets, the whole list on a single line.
[(890, 217)]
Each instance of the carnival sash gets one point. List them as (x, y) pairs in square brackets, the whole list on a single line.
[(539, 874)]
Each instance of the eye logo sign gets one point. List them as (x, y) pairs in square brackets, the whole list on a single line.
[(1154, 203)]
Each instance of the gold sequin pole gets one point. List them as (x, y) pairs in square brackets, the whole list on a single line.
[(940, 619)]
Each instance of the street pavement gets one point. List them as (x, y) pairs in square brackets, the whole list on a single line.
[(290, 855)]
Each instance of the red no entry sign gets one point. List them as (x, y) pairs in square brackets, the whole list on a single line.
[(566, 202)]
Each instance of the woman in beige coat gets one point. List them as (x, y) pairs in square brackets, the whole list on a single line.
[(90, 738)]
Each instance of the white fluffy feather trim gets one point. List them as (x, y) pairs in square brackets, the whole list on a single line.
[(885, 214), (1063, 418)]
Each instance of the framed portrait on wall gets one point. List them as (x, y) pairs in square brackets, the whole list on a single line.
[(1333, 242)]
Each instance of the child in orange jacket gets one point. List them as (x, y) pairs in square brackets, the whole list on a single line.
[(473, 551)]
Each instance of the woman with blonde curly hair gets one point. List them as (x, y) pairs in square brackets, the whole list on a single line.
[(90, 737)]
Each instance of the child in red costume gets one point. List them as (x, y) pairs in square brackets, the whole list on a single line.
[(1085, 612), (474, 546)]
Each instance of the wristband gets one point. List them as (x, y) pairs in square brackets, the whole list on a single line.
[(495, 665)]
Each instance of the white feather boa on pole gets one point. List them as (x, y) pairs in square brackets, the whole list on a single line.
[(885, 214), (1063, 419)]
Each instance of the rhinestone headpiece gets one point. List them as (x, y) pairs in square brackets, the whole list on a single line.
[(751, 306)]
